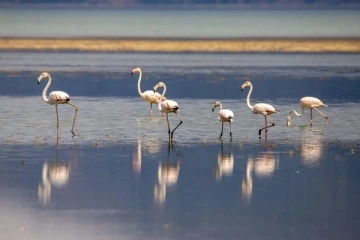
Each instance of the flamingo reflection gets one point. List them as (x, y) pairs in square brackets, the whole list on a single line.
[(53, 174), (225, 164), (168, 174), (136, 160), (311, 149), (263, 166)]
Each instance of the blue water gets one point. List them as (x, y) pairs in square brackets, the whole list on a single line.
[(183, 24), (118, 179)]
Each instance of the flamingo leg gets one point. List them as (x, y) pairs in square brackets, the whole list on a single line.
[(230, 130), (167, 119), (310, 117), (76, 110), (151, 112), (181, 121), (266, 126), (57, 121), (222, 129), (326, 117)]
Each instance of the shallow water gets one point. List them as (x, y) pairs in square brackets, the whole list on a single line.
[(119, 179)]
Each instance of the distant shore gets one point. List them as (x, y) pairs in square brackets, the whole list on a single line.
[(183, 45)]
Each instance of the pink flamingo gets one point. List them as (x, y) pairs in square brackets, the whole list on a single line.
[(224, 115), (56, 97), (167, 106), (149, 95), (260, 108), (311, 103)]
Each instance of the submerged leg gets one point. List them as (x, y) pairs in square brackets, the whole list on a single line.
[(76, 110), (326, 117), (222, 129), (151, 112), (230, 130), (181, 121), (57, 121), (167, 119)]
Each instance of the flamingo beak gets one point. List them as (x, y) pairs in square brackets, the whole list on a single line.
[(212, 109), (242, 89), (154, 90), (132, 73)]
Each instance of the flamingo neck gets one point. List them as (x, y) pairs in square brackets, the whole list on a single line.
[(139, 81), (248, 98), (161, 98), (297, 114), (45, 90), (220, 106)]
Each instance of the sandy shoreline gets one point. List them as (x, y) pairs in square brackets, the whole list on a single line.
[(183, 45)]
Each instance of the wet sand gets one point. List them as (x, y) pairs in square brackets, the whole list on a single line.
[(184, 45)]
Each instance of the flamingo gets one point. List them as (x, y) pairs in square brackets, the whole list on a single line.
[(148, 96), (56, 98), (167, 106), (311, 103), (260, 108), (224, 115)]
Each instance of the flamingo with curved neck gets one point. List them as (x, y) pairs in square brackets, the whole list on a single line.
[(224, 115), (260, 108), (149, 95), (56, 98), (168, 106), (310, 103)]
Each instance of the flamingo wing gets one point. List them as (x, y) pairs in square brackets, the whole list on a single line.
[(311, 102), (226, 115), (264, 109), (169, 106), (59, 97), (151, 96)]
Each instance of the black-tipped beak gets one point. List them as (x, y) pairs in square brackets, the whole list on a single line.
[(212, 109), (132, 73), (38, 82), (154, 90), (242, 89)]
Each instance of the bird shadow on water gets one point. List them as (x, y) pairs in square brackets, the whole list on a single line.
[(55, 174), (168, 175)]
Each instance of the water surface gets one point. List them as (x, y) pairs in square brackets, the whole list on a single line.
[(120, 179)]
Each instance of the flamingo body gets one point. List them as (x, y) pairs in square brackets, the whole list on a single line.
[(58, 97), (260, 108), (264, 109), (169, 106), (310, 103)]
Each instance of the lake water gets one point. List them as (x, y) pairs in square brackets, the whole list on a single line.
[(62, 23), (120, 179)]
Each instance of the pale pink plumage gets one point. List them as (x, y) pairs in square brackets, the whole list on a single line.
[(149, 96), (310, 103), (260, 108), (224, 115), (56, 98), (168, 106)]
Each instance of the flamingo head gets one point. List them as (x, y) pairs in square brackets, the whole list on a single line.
[(135, 70), (158, 85), (246, 84), (216, 104), (324, 104), (42, 76)]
